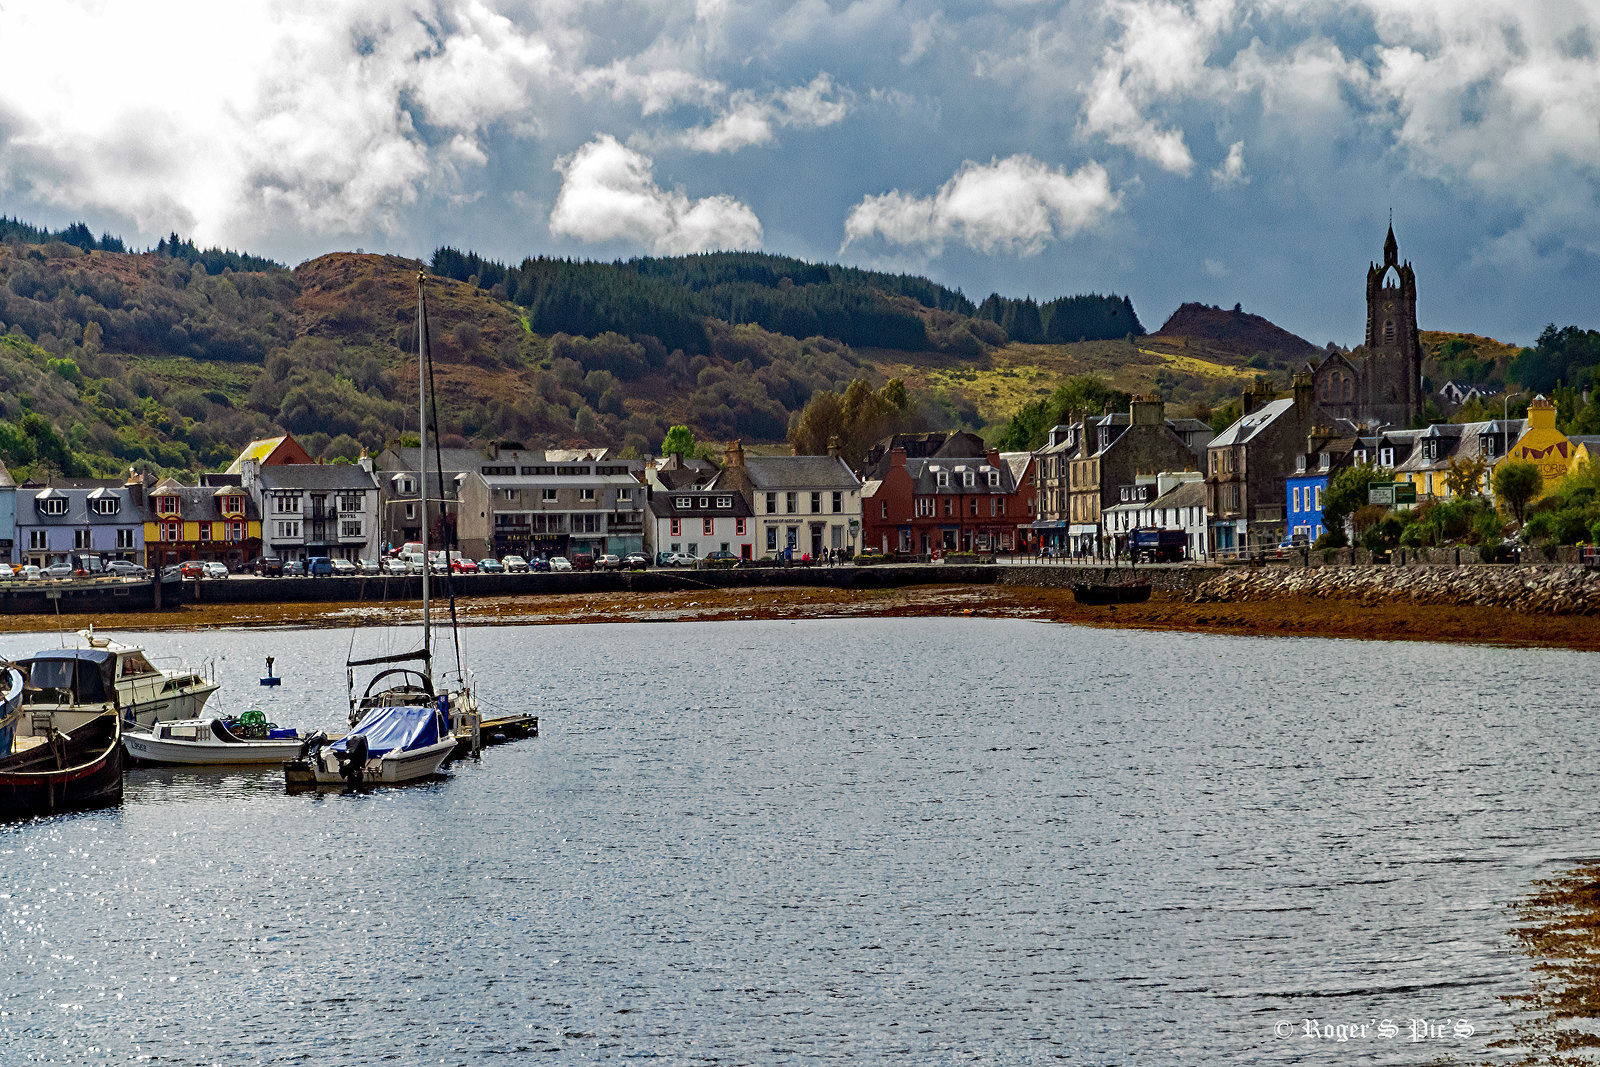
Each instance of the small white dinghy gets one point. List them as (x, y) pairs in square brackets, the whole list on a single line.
[(210, 742), (387, 747)]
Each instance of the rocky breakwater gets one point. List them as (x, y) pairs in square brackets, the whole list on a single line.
[(1528, 590)]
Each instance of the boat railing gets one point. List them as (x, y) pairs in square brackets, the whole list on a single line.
[(206, 668)]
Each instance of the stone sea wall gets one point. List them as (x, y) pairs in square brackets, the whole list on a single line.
[(1555, 590)]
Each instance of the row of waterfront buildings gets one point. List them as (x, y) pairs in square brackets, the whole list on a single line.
[(1097, 478)]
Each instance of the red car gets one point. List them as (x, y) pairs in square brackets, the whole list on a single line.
[(193, 568), (583, 562), (463, 566)]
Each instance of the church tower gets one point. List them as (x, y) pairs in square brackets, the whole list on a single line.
[(1393, 363)]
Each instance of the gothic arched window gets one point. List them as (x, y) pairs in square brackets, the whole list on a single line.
[(1349, 388)]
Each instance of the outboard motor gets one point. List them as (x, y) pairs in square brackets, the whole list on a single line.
[(312, 745), (353, 764)]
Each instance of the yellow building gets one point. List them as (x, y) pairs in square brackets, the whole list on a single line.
[(201, 522), (1543, 445)]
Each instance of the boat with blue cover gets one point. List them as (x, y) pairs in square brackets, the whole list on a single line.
[(389, 746)]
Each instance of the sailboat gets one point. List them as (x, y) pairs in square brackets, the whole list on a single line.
[(407, 678)]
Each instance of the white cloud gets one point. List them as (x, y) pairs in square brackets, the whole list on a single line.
[(1015, 205), (1231, 171), (609, 193), (749, 120)]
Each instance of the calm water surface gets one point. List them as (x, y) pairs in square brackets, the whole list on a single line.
[(915, 841)]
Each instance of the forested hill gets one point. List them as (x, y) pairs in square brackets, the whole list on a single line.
[(672, 298), (178, 355)]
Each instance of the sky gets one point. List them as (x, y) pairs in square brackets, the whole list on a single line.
[(1222, 151)]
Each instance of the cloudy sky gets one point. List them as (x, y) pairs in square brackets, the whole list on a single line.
[(1215, 150)]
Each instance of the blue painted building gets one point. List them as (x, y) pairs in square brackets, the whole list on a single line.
[(1303, 504)]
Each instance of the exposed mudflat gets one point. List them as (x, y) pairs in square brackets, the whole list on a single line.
[(1286, 616)]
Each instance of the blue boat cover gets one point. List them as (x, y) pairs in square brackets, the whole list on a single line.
[(388, 729)]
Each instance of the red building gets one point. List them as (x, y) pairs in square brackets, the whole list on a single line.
[(948, 503)]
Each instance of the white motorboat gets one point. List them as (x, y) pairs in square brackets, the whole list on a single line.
[(210, 742), (390, 746), (67, 687)]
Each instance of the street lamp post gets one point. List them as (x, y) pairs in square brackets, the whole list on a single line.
[(1505, 405)]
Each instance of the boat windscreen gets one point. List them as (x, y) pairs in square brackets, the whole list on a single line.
[(87, 678)]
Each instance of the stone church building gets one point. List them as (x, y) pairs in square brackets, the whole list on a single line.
[(1379, 383)]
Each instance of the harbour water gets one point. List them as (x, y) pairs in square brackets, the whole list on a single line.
[(897, 840)]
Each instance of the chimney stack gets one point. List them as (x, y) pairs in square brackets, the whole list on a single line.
[(833, 446), (1302, 389), (735, 456), (1147, 410)]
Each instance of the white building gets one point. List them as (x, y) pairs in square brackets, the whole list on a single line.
[(803, 505), (700, 521), (1171, 500), (315, 509)]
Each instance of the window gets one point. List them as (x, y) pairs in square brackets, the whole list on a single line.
[(350, 528), (943, 479), (739, 527), (994, 479), (705, 502), (924, 507), (816, 503), (838, 503), (1002, 505), (676, 528), (585, 494), (288, 529), (969, 479), (772, 538), (949, 506), (994, 502), (124, 539), (353, 501), (166, 505), (534, 472), (793, 536), (205, 531), (547, 496), (624, 495), (105, 505), (408, 486), (1319, 498), (36, 539), (883, 509), (51, 505), (1296, 492), (80, 538), (285, 502), (724, 501), (708, 526), (498, 472), (772, 503), (972, 505), (236, 531), (684, 503), (411, 511), (1386, 457), (791, 503), (172, 531), (506, 494)]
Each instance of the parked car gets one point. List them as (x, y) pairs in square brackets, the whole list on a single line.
[(560, 563), (264, 566), (123, 568), (539, 563), (636, 561), (396, 565), (491, 566), (192, 568), (608, 561), (720, 558), (513, 564), (463, 566), (213, 569), (319, 567), (29, 572), (582, 561), (342, 567), (295, 568), (369, 566)]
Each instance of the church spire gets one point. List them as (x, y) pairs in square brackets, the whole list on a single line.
[(1391, 247)]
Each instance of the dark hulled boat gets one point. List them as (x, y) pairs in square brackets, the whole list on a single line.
[(67, 772), (1126, 593)]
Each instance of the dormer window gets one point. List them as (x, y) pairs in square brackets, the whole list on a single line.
[(1361, 455), (724, 501), (1300, 464), (685, 502), (1385, 457), (233, 505), (1324, 461), (994, 479), (969, 479), (943, 479), (105, 505), (51, 505)]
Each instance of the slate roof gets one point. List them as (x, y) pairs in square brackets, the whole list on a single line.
[(778, 473), (78, 513), (925, 476), (664, 504), (1182, 495), (683, 477), (315, 477), (1248, 426), (200, 503)]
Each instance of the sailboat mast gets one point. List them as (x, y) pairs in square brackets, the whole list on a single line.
[(422, 465)]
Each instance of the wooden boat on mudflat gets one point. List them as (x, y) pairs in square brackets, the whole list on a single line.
[(1125, 593), (65, 772)]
